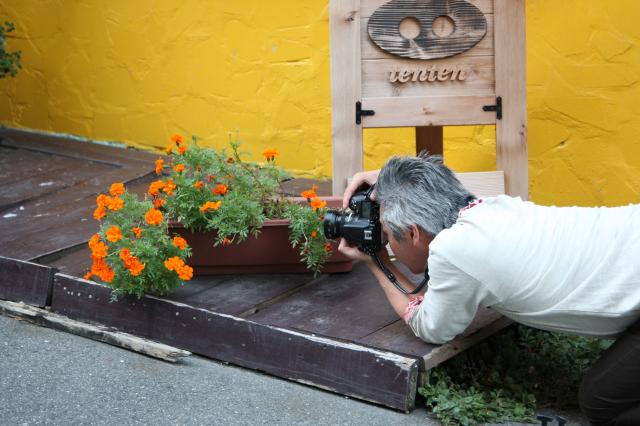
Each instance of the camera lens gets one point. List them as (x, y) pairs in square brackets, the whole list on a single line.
[(332, 224)]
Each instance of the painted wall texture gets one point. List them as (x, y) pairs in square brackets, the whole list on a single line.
[(137, 72)]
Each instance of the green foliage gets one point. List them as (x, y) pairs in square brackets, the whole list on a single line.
[(9, 61), (151, 247), (245, 194), (207, 190), (503, 378)]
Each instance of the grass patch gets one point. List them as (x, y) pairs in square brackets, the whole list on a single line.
[(508, 375)]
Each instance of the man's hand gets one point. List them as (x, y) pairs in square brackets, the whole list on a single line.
[(357, 180), (352, 252)]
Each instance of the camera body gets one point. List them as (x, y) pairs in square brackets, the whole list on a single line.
[(361, 226)]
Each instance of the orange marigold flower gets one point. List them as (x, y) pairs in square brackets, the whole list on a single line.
[(226, 241), (159, 166), (314, 234), (169, 186), (125, 254), (173, 263), (115, 204), (169, 148), (101, 269), (199, 184), (155, 187), (87, 276), (178, 168), (135, 267), (270, 154), (210, 178), (185, 273), (317, 203), (159, 202), (180, 242), (102, 200), (210, 205), (182, 149), (153, 217), (107, 274), (95, 239), (177, 139), (97, 265), (99, 213), (116, 189), (230, 160), (309, 193), (114, 234), (99, 250), (137, 231), (327, 247), (220, 189)]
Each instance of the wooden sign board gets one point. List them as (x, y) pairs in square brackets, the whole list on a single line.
[(428, 64)]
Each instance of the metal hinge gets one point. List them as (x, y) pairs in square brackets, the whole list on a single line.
[(497, 107), (362, 112)]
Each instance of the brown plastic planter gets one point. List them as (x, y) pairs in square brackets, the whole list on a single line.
[(270, 252)]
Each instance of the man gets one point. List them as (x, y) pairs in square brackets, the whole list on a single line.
[(569, 269)]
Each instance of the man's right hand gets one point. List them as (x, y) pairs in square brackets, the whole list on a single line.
[(357, 180)]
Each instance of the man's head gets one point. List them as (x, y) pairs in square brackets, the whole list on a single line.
[(419, 191)]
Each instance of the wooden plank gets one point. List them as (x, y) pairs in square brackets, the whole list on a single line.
[(428, 111), (26, 282), (34, 229), (100, 333), (468, 26), (511, 131), (398, 337), (343, 306), (429, 139), (346, 135), (369, 6), (14, 161), (74, 147), (483, 184), (479, 77), (63, 174), (347, 368)]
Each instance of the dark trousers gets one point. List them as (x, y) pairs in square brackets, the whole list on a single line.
[(610, 391)]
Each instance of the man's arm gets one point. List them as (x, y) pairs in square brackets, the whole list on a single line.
[(397, 299)]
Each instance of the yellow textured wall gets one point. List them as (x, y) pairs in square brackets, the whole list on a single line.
[(138, 71)]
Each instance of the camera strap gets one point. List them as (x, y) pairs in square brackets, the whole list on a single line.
[(391, 277)]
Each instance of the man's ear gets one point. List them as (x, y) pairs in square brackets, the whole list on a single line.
[(415, 235)]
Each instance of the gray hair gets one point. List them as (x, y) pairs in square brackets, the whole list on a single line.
[(422, 191)]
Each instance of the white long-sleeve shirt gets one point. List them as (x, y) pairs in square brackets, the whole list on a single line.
[(569, 269)]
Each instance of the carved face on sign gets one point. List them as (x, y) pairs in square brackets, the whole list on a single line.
[(469, 26)]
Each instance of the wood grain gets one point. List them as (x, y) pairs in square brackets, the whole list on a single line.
[(470, 26), (26, 282), (428, 111), (511, 131), (483, 184), (346, 136), (479, 80), (348, 368)]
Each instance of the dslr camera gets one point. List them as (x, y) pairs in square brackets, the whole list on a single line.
[(360, 226)]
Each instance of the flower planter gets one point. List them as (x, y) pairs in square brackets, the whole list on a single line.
[(270, 252)]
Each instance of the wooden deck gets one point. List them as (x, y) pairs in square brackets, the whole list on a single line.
[(336, 331)]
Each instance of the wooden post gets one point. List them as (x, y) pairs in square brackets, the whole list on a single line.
[(345, 91), (511, 131), (429, 138)]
